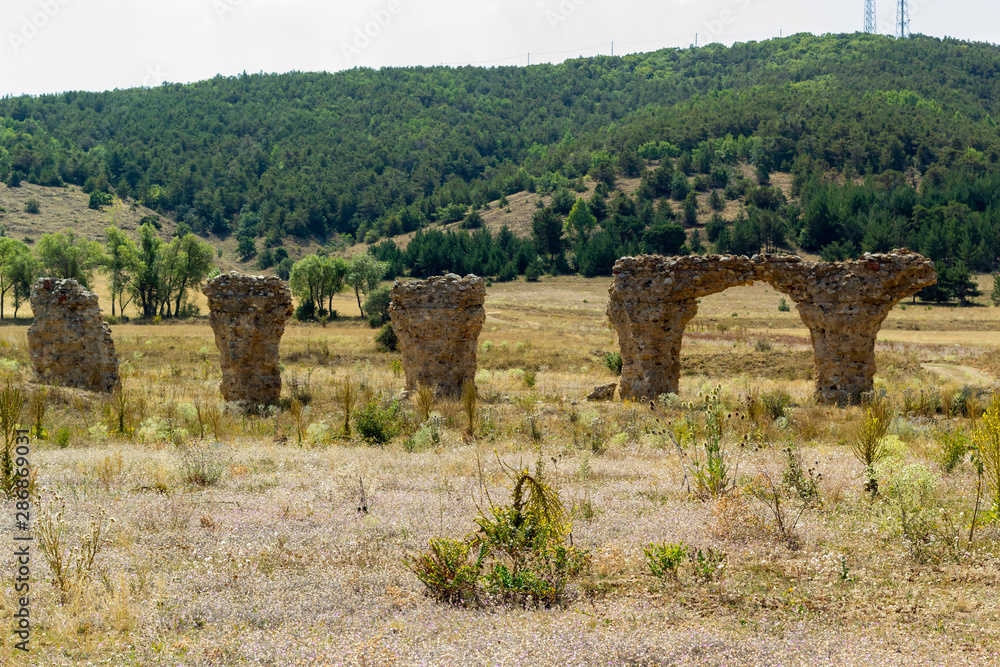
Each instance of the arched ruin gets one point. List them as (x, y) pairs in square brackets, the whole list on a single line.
[(843, 304)]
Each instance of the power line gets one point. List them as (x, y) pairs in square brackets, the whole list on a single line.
[(870, 17)]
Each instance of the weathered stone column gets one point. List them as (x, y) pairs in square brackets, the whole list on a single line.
[(652, 298), (69, 342), (844, 305), (248, 315), (438, 321)]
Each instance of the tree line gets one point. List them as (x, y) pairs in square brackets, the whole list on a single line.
[(250, 155), (154, 275)]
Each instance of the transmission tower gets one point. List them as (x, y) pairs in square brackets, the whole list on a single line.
[(870, 17), (902, 19)]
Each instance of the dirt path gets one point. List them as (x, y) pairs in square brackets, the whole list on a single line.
[(961, 374)]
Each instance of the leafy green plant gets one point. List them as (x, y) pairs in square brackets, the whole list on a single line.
[(448, 570), (386, 340), (663, 559), (776, 402), (783, 306), (953, 445), (613, 360), (377, 425), (707, 564), (519, 553), (526, 543)]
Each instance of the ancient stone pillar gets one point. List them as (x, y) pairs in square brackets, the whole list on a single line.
[(844, 305), (69, 342), (248, 315), (438, 322), (652, 299)]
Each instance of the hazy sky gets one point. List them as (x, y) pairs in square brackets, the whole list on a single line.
[(57, 45)]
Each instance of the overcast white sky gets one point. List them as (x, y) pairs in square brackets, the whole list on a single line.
[(57, 45)]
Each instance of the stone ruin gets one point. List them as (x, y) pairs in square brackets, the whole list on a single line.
[(437, 322), (69, 342), (248, 315), (843, 304)]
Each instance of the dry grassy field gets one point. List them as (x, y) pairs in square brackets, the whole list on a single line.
[(221, 539)]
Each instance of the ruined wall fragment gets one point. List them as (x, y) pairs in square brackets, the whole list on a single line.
[(248, 315), (69, 342), (437, 322)]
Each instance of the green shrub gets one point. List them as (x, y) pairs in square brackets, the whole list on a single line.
[(447, 570), (775, 402), (32, 206), (533, 272), (663, 559), (99, 199), (377, 306), (783, 306), (613, 360), (385, 339), (521, 551), (305, 311), (375, 424), (203, 465), (707, 564), (952, 448)]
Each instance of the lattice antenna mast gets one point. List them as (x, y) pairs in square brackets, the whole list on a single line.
[(870, 17), (902, 19)]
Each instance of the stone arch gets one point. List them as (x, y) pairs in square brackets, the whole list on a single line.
[(652, 298), (843, 304)]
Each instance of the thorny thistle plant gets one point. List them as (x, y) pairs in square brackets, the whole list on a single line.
[(713, 470), (72, 567)]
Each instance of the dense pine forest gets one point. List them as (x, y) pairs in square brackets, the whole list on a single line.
[(890, 143)]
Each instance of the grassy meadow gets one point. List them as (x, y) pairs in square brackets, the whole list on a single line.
[(222, 539)]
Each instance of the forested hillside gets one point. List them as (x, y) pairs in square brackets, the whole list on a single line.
[(891, 142)]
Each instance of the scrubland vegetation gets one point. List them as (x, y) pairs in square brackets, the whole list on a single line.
[(737, 522)]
